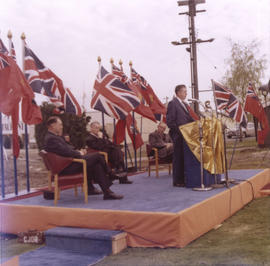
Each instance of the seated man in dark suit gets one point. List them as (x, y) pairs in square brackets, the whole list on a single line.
[(97, 169), (158, 139), (100, 141)]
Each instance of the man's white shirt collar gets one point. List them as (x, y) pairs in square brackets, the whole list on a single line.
[(182, 103)]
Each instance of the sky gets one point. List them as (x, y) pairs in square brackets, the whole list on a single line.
[(69, 35)]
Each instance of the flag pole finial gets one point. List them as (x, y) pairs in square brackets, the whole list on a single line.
[(23, 36), (9, 35), (111, 61), (99, 59), (120, 62), (130, 63)]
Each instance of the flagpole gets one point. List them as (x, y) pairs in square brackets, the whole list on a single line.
[(134, 137), (2, 159), (114, 129), (224, 139), (9, 35), (141, 149), (127, 151), (25, 125)]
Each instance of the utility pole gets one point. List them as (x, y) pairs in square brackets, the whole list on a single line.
[(192, 42)]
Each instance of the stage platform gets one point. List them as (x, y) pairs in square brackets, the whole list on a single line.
[(153, 213)]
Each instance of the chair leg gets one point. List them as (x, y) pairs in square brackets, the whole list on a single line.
[(49, 180), (170, 169), (85, 190), (157, 173), (56, 190), (85, 185), (149, 169)]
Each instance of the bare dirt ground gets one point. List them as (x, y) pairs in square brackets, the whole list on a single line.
[(37, 170)]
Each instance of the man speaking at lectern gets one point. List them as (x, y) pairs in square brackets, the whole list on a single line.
[(177, 115)]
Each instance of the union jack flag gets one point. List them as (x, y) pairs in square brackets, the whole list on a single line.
[(3, 61), (120, 74), (70, 103), (12, 52), (139, 80), (225, 100), (41, 79), (235, 111), (3, 48), (112, 96), (124, 78), (250, 90), (157, 107), (222, 95)]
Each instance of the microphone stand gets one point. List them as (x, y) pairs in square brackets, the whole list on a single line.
[(225, 154), (203, 187)]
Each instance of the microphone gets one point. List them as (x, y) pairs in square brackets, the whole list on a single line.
[(194, 100), (207, 105), (197, 101)]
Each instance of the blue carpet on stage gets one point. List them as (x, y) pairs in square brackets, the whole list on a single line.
[(145, 194), (47, 256)]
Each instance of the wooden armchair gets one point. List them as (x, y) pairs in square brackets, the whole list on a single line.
[(55, 164), (105, 154), (152, 154)]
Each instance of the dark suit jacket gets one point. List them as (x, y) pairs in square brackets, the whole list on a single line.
[(57, 144), (176, 116), (159, 141), (99, 144)]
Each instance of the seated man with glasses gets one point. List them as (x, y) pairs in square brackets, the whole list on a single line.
[(162, 141)]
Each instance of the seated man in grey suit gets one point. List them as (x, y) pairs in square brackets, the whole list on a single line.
[(158, 139)]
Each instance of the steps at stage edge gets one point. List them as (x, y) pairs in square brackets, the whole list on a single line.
[(86, 241), (265, 190)]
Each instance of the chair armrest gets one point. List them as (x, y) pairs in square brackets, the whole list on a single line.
[(79, 160), (105, 155), (83, 161)]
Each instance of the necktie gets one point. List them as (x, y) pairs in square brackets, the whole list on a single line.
[(191, 112)]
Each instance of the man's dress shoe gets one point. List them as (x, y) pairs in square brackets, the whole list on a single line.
[(112, 196), (94, 191), (123, 178)]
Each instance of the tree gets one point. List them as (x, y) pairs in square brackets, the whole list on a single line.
[(74, 125), (245, 65)]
